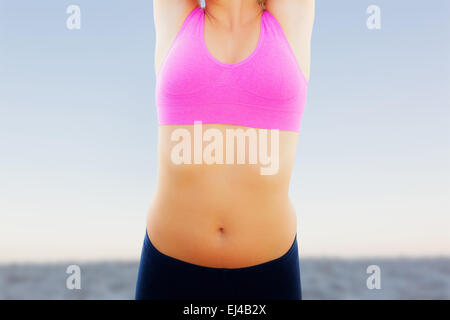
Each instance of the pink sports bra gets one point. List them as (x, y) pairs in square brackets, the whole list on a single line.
[(265, 90)]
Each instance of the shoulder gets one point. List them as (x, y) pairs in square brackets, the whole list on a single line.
[(170, 14), (295, 16)]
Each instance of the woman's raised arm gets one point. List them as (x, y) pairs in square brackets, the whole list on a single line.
[(296, 18), (169, 16)]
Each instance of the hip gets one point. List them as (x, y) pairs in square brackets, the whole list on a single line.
[(163, 277)]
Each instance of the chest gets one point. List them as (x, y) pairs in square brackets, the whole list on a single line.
[(231, 46)]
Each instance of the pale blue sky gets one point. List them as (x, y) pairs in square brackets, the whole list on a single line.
[(78, 131)]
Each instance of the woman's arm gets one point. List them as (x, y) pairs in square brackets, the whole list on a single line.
[(169, 16), (296, 18)]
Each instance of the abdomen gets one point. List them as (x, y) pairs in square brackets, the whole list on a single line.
[(222, 215)]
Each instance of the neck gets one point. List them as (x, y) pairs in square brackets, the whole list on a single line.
[(232, 14)]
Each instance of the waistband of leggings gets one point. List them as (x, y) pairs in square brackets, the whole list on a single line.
[(293, 250)]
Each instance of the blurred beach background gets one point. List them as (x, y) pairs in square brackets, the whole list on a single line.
[(78, 145), (322, 278)]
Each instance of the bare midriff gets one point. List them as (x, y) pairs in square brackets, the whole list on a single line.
[(222, 215)]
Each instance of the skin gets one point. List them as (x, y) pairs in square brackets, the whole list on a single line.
[(226, 216)]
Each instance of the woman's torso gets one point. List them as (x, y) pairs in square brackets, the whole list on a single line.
[(222, 215)]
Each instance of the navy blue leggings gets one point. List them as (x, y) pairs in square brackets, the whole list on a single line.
[(162, 277)]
